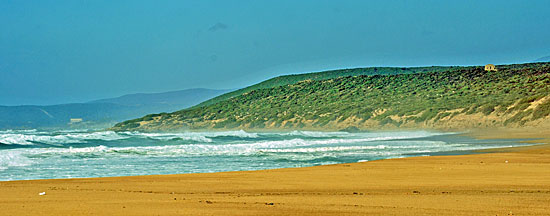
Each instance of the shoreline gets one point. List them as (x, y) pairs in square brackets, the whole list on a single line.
[(504, 181), (405, 155)]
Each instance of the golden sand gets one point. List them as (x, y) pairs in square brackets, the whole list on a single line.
[(509, 182)]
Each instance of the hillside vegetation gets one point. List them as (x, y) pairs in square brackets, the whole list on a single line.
[(295, 78), (455, 98)]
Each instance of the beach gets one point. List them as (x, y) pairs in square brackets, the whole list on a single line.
[(514, 181), (283, 108)]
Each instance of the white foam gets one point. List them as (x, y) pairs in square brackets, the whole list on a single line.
[(327, 149), (102, 135), (13, 158), (20, 139), (24, 139), (49, 138), (316, 134), (195, 136), (239, 133), (170, 136), (17, 131), (284, 146)]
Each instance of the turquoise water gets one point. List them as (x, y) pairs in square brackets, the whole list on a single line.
[(32, 154)]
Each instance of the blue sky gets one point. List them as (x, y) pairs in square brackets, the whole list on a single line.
[(75, 51)]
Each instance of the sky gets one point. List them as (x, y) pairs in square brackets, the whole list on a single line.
[(55, 52)]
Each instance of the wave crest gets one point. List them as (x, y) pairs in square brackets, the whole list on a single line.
[(56, 139)]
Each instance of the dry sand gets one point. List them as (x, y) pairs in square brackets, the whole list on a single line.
[(509, 182)]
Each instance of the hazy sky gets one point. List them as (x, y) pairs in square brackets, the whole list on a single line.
[(75, 51)]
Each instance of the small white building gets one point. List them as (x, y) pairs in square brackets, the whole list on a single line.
[(75, 120)]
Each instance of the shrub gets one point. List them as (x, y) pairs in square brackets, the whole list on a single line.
[(487, 109), (426, 115), (542, 110)]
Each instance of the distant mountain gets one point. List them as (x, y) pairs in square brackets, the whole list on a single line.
[(58, 116), (171, 100), (543, 59), (101, 113)]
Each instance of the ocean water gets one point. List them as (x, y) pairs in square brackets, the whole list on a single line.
[(33, 154)]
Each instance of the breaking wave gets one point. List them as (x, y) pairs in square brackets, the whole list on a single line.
[(26, 138), (32, 154)]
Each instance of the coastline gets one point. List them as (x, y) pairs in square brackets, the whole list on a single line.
[(503, 182)]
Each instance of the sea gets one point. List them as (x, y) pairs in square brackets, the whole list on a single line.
[(36, 154)]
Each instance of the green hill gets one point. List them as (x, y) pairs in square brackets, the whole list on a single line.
[(451, 98), (295, 78)]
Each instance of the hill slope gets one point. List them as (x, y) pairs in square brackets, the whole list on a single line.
[(101, 113), (295, 78), (515, 95)]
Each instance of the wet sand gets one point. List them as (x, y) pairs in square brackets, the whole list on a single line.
[(514, 181)]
